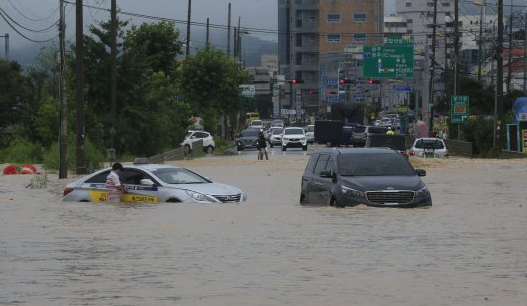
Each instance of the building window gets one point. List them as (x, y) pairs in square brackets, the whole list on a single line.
[(298, 58), (333, 38), (359, 17), (409, 21), (445, 4), (299, 19), (430, 4), (299, 40), (333, 17), (409, 31), (408, 4), (298, 2), (359, 37)]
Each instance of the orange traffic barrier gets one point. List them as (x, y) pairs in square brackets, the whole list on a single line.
[(9, 170), (28, 169)]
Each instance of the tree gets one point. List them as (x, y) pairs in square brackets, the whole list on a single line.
[(210, 83)]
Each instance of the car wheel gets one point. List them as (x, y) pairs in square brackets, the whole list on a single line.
[(283, 148), (302, 199), (304, 148), (187, 149), (336, 203), (209, 149)]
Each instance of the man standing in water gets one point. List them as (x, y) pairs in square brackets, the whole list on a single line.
[(113, 183)]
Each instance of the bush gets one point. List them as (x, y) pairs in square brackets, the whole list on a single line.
[(94, 157), (21, 150), (480, 133)]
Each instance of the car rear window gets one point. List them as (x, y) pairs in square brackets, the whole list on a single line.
[(377, 130), (360, 129), (429, 144)]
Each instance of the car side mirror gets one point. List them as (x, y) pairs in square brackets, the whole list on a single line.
[(326, 173), (420, 172), (146, 182)]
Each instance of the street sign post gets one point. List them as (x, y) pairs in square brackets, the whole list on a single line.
[(459, 109), (395, 61)]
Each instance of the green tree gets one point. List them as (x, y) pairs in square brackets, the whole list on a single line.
[(210, 83)]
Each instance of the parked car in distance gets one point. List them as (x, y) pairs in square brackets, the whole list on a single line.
[(276, 137), (192, 136), (385, 122), (371, 176), (392, 141), (429, 147), (310, 133), (246, 139), (294, 137), (154, 183), (358, 138)]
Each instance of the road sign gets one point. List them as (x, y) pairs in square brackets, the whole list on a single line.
[(459, 109), (248, 90), (395, 61), (402, 88)]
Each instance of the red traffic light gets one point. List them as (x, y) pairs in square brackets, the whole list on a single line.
[(296, 81), (372, 81)]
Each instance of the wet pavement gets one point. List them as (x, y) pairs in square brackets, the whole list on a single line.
[(469, 248)]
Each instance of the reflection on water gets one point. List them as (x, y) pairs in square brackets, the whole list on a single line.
[(467, 249)]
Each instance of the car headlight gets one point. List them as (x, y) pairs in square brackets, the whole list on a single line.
[(303, 138), (423, 192), (200, 197), (352, 192), (285, 138)]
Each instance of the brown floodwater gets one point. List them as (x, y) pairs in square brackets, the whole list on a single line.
[(469, 248)]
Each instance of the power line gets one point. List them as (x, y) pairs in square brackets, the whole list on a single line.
[(21, 34), (29, 18), (26, 28)]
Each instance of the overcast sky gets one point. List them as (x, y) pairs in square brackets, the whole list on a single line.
[(259, 14)]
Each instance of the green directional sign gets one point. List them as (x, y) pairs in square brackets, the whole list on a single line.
[(392, 61), (459, 109)]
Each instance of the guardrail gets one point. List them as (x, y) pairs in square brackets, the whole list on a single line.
[(175, 154), (459, 148)]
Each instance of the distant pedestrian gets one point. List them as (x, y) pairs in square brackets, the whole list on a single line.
[(390, 131), (262, 144), (113, 184)]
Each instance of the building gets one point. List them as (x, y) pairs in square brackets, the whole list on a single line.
[(270, 62), (309, 29)]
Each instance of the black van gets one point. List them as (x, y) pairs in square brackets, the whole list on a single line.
[(371, 176)]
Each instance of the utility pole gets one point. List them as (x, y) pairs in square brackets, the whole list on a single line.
[(80, 164), (187, 53), (480, 43), (235, 43), (6, 39), (229, 31), (63, 138), (456, 47), (509, 55), (525, 54), (498, 107), (208, 33), (113, 58), (433, 64)]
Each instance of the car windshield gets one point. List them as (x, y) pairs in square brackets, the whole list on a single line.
[(429, 144), (277, 131), (249, 133), (310, 128), (378, 164), (293, 131), (256, 122), (360, 129), (188, 134), (179, 176)]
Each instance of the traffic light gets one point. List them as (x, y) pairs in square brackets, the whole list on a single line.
[(296, 81), (346, 81), (372, 81)]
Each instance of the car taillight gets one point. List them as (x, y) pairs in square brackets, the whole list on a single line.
[(412, 152), (66, 191), (447, 154), (405, 153)]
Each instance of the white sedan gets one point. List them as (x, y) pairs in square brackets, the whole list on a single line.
[(154, 183), (294, 137), (193, 136)]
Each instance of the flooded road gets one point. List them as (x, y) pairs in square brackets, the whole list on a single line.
[(469, 248)]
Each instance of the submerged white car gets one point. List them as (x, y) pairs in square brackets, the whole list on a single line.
[(154, 183), (429, 147), (294, 137)]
